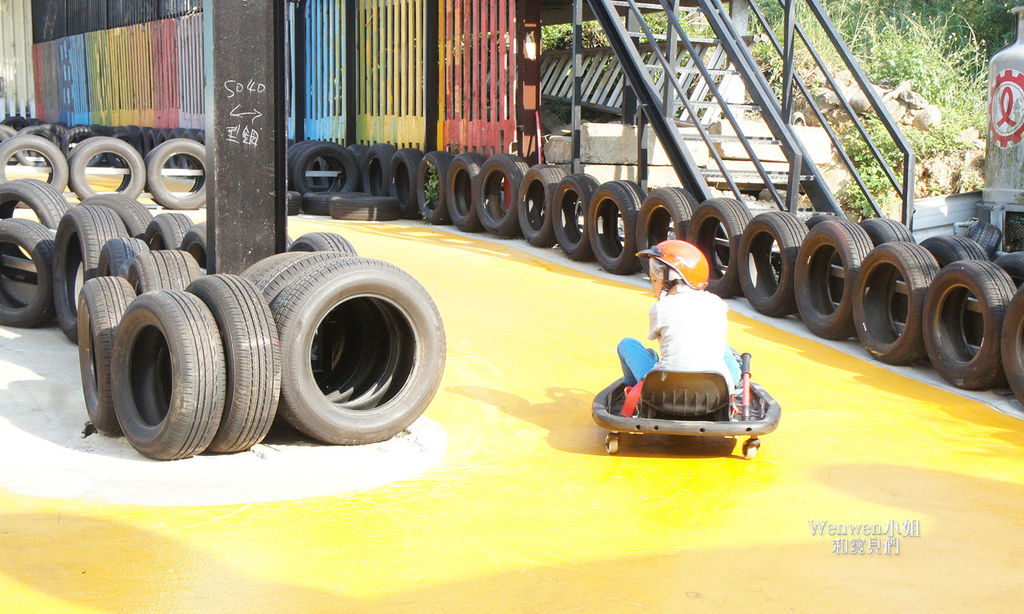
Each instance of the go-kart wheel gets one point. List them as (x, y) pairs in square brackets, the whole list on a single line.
[(750, 448), (611, 443)]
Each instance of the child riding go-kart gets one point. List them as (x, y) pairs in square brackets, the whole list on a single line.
[(696, 385), (688, 403)]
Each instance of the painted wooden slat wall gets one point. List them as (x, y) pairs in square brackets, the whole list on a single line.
[(165, 73), (44, 57), (17, 85), (478, 71), (191, 72), (391, 104), (326, 63), (73, 82)]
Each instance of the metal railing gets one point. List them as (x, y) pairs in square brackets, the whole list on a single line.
[(793, 31)]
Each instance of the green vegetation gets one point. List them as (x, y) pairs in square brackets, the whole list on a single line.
[(432, 185)]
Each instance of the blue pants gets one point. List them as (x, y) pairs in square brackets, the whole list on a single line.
[(637, 360)]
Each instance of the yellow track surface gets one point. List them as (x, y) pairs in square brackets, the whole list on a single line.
[(526, 513)]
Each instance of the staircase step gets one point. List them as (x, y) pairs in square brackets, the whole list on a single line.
[(766, 148)]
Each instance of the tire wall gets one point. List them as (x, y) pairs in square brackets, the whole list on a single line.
[(17, 96)]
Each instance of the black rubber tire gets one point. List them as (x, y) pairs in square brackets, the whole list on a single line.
[(357, 206), (964, 344), (614, 247), (405, 166), (157, 160), (823, 298), (26, 282), (360, 152), (6, 132), (1013, 264), (167, 230), (1012, 345), (376, 174), (314, 203), (664, 214), (251, 357), (133, 214), (293, 203), (952, 248), (460, 191), (167, 413), (889, 301), (988, 236), (535, 202), (270, 281), (293, 150), (131, 185), (569, 214), (819, 217), (496, 194), (322, 242), (194, 242), (117, 255), (46, 202), (393, 358), (335, 158), (100, 308), (75, 135), (80, 238), (435, 210), (716, 228), (58, 177), (883, 230), (766, 275), (166, 269)]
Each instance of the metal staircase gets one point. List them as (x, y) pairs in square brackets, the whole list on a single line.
[(690, 66)]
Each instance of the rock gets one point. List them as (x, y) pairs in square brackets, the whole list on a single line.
[(927, 118), (896, 110), (902, 88), (558, 150), (913, 100), (827, 100), (766, 195), (859, 102), (971, 135)]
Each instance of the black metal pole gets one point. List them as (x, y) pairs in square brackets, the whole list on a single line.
[(351, 71), (432, 82), (299, 81), (246, 131)]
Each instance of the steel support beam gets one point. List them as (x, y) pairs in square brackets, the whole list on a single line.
[(246, 133)]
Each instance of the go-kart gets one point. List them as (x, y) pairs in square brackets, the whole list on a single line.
[(688, 403)]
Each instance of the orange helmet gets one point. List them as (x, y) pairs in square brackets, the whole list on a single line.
[(683, 258)]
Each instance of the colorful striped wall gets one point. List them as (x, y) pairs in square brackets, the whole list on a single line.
[(151, 74), (17, 87), (391, 72), (325, 70), (478, 72), (147, 74)]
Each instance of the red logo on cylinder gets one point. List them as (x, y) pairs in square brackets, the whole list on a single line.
[(1005, 113)]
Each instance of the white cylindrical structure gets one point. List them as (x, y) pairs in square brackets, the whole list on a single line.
[(1004, 160)]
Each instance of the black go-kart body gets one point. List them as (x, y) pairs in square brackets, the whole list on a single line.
[(693, 404)]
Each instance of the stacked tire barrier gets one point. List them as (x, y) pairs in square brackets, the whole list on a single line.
[(143, 159), (347, 350), (943, 301)]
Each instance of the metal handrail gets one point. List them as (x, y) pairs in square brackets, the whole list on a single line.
[(726, 111), (793, 30)]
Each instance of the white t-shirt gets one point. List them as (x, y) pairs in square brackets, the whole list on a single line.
[(691, 326)]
